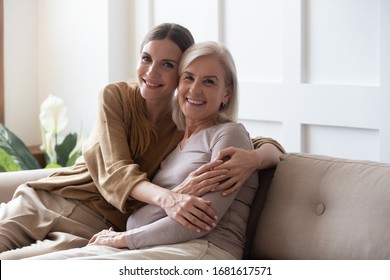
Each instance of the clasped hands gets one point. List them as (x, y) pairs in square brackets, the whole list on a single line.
[(226, 174)]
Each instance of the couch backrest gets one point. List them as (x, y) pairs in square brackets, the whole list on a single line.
[(265, 179), (9, 181), (320, 207)]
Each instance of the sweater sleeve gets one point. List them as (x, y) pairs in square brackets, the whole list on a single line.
[(107, 154), (149, 226), (259, 141)]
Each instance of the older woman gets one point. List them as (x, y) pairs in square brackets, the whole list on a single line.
[(205, 108)]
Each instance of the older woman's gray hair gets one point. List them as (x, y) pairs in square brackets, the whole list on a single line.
[(227, 111)]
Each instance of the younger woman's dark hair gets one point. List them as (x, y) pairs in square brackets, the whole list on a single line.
[(142, 132), (178, 34)]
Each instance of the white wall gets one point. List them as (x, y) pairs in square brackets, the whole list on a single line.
[(314, 74), (20, 68), (73, 54), (68, 48)]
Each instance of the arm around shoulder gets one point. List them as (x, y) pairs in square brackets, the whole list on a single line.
[(267, 151), (242, 163), (268, 155)]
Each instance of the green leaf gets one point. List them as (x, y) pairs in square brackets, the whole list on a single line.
[(18, 151), (6, 162), (53, 165), (73, 158), (63, 150)]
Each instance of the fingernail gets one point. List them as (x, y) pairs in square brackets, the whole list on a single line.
[(214, 224), (198, 230), (216, 217), (224, 194), (208, 228)]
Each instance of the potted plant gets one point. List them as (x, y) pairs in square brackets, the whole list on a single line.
[(53, 117)]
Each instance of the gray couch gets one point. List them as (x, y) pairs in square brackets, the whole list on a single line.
[(318, 207), (309, 207)]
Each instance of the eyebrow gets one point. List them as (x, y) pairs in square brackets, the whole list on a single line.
[(170, 60), (187, 72), (207, 77), (165, 60)]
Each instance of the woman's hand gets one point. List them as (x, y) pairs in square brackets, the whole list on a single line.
[(242, 163), (190, 211), (185, 205), (202, 180), (182, 203), (109, 238)]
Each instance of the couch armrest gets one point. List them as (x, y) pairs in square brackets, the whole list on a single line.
[(9, 181)]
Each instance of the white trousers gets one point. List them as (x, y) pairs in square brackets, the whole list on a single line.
[(192, 250)]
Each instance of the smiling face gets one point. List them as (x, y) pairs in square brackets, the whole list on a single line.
[(202, 89), (157, 71)]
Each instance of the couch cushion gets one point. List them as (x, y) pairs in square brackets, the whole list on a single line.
[(321, 207)]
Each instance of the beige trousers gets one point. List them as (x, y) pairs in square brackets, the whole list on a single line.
[(192, 250), (37, 222)]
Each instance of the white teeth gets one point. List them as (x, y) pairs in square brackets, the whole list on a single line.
[(196, 102), (151, 84)]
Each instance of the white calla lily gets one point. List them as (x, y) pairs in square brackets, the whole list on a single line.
[(53, 115), (49, 147), (54, 118)]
